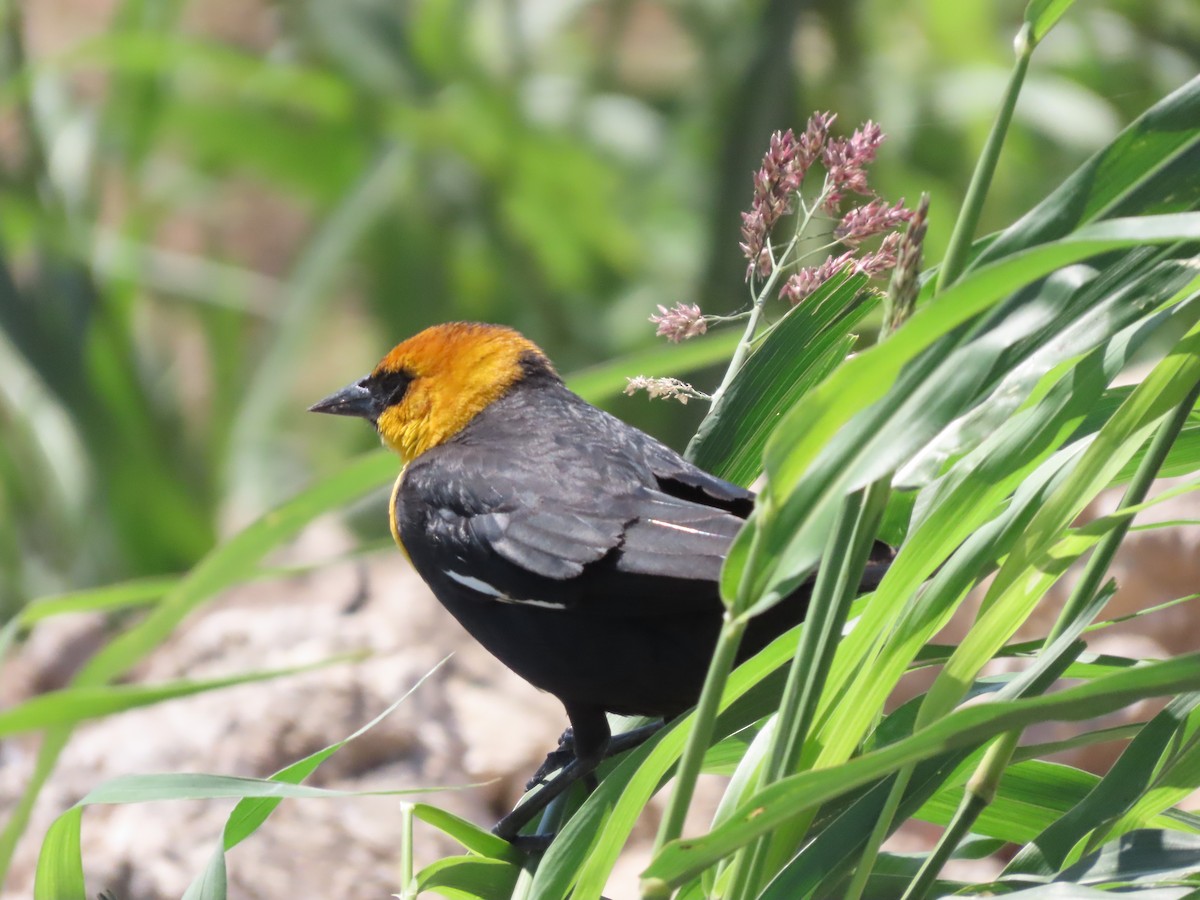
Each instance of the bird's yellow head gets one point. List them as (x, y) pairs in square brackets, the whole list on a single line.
[(429, 387)]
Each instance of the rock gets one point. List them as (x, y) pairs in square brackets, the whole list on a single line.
[(472, 721)]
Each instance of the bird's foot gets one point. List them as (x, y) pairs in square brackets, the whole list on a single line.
[(559, 771), (510, 826), (555, 760)]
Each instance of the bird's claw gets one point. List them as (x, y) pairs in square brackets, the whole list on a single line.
[(555, 760)]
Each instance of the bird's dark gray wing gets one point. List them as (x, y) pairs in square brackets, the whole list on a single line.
[(641, 552)]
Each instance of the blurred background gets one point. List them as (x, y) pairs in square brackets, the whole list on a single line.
[(213, 214)]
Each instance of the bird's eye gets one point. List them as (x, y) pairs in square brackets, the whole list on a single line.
[(391, 387)]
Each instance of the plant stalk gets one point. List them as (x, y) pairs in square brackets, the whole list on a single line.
[(704, 719), (836, 587), (748, 336), (794, 709), (408, 889), (968, 217), (549, 824), (952, 267), (879, 833), (742, 351)]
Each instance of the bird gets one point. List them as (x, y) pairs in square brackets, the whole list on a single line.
[(580, 551)]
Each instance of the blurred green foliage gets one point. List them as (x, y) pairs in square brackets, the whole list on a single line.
[(211, 214)]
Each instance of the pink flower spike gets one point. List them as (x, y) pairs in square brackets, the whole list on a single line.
[(799, 286), (808, 279), (873, 265), (874, 218), (775, 184), (846, 161), (865, 142), (680, 322), (812, 141)]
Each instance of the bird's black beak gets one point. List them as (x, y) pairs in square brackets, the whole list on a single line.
[(353, 400)]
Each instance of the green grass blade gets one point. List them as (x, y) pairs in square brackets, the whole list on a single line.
[(249, 814), (76, 704), (469, 878), (223, 567), (60, 864), (213, 882), (1012, 595), (805, 487), (470, 835), (1041, 16), (257, 419), (235, 560), (1126, 782), (102, 599), (798, 353), (681, 860), (1156, 150), (1141, 857)]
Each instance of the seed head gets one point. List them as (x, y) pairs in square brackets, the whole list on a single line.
[(873, 265), (680, 322), (846, 161), (812, 141), (905, 285), (667, 388), (784, 166), (874, 218), (800, 285)]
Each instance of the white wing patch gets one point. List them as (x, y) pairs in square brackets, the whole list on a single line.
[(475, 584), (682, 528), (545, 604)]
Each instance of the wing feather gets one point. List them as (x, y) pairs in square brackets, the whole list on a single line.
[(536, 557), (607, 522)]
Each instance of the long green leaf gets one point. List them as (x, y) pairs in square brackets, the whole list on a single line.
[(60, 865), (249, 814), (56, 860), (1149, 168), (764, 811), (1123, 786), (950, 510), (469, 878), (1015, 590), (76, 704), (798, 353), (803, 489), (1043, 14)]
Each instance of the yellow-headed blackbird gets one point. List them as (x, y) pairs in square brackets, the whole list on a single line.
[(580, 551)]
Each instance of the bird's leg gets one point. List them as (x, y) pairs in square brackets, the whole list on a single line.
[(560, 757), (510, 826), (589, 738), (556, 759), (580, 765)]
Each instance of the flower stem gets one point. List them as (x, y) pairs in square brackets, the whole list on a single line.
[(968, 217), (752, 319)]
